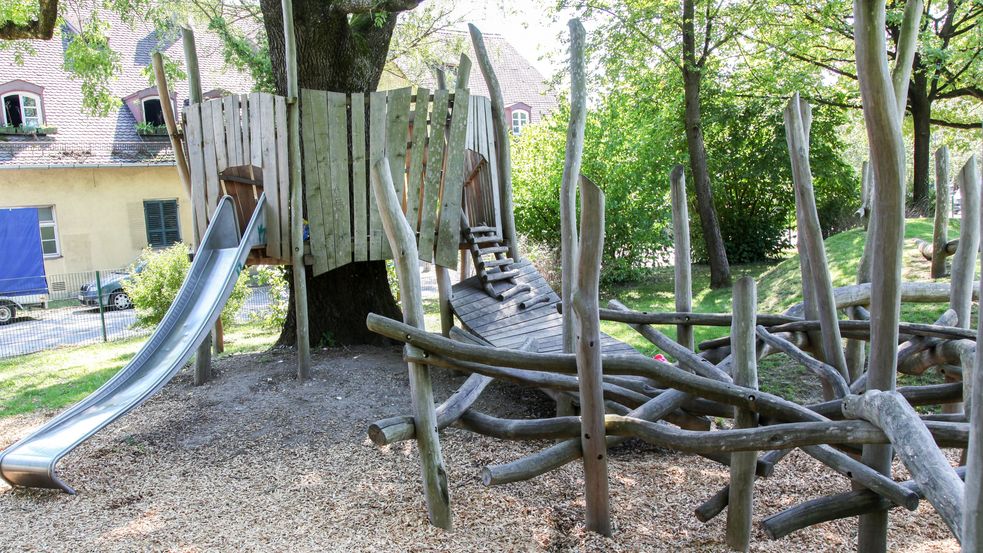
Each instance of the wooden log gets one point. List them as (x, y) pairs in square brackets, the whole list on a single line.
[(940, 234), (444, 295), (916, 448), (972, 538), (964, 260), (828, 374), (684, 356), (687, 318), (682, 263), (932, 394), (569, 246), (712, 507), (797, 125), (825, 509), (587, 327), (501, 130), (911, 292), (742, 464), (867, 191), (928, 249), (298, 267), (403, 244), (883, 124)]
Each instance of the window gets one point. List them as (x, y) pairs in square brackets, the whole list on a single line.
[(162, 223), (21, 109), (152, 112), (49, 231), (520, 118)]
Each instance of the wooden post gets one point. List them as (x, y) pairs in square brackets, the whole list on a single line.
[(867, 189), (588, 335), (940, 236), (969, 241), (681, 254), (203, 357), (883, 124), (571, 172), (742, 464), (501, 140), (296, 196), (403, 243), (797, 122), (445, 292), (972, 538)]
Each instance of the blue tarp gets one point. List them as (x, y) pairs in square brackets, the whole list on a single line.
[(21, 257)]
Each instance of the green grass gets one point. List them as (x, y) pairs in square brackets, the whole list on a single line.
[(56, 378)]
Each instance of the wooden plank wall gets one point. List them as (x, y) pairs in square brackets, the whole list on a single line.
[(230, 136), (344, 135), (481, 139)]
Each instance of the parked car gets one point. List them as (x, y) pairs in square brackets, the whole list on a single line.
[(113, 294)]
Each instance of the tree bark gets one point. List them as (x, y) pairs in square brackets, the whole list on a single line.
[(921, 115), (339, 52), (692, 78)]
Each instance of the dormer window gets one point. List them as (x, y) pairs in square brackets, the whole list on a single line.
[(22, 109), (520, 118), (152, 112)]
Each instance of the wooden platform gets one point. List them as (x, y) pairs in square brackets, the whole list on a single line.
[(506, 324)]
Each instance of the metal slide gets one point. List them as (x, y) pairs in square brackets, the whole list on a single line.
[(214, 271)]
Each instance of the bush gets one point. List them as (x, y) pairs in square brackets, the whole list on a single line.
[(275, 277), (154, 289)]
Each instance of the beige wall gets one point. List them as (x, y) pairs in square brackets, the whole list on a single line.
[(98, 211)]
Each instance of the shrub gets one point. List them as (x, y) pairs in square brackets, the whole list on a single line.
[(275, 277), (154, 289)]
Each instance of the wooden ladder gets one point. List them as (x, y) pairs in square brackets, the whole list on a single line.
[(491, 262)]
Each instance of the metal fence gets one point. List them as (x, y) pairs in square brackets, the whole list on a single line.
[(75, 313)]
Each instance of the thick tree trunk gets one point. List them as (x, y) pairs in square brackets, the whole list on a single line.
[(921, 113), (692, 76), (340, 53)]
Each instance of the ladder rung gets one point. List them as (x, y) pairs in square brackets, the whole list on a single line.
[(496, 262), (485, 239), (493, 249), (475, 230), (501, 275)]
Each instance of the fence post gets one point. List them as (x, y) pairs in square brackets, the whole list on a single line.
[(102, 309)]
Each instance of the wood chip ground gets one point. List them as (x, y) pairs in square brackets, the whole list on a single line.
[(255, 461)]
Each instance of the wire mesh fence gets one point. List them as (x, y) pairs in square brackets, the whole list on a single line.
[(84, 308)]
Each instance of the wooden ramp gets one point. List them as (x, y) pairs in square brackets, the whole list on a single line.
[(506, 324)]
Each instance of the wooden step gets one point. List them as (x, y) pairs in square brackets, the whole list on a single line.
[(492, 263), (493, 250), (501, 275), (484, 239), (481, 230)]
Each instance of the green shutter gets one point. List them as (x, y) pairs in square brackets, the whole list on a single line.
[(161, 218)]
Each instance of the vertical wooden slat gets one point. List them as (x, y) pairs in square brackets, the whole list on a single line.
[(397, 136), (319, 108), (283, 175), (244, 150), (233, 133), (449, 230), (268, 134), (211, 167), (414, 178), (360, 188), (313, 181), (432, 179), (218, 131), (338, 139), (742, 463), (255, 131), (378, 246), (196, 162)]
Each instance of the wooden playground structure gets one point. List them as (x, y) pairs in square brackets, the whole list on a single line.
[(421, 175)]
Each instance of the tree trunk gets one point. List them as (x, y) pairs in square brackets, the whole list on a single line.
[(921, 112), (692, 77), (340, 53)]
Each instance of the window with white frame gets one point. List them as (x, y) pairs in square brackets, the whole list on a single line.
[(152, 112), (22, 109), (49, 231), (520, 118)]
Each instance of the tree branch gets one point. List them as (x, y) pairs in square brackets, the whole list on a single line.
[(366, 6), (956, 124), (41, 28)]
